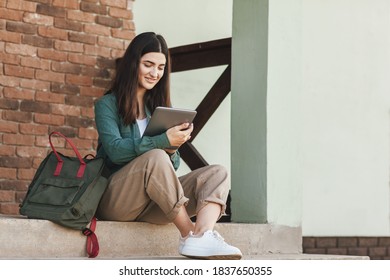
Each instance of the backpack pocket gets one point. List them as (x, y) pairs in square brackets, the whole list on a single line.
[(56, 191)]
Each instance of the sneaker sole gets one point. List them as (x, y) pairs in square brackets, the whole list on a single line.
[(216, 257)]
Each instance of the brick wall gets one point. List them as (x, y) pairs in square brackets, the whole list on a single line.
[(56, 58), (377, 248)]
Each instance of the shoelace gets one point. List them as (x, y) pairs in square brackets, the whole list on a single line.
[(219, 238)]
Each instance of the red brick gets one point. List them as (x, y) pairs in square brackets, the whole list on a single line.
[(115, 3), (384, 241), (35, 18), (52, 54), (16, 116), (79, 80), (18, 185), (82, 59), (77, 100), (88, 133), (81, 16), (19, 139), (128, 25), (65, 110), (82, 38), (22, 5), (7, 173), (52, 32), (34, 62), (36, 41), (15, 162), (24, 151), (24, 72), (358, 251), (7, 150), (9, 58), (326, 242), (16, 93), (58, 12), (35, 84), (78, 122), (97, 29), (315, 251), (12, 37), (20, 49), (67, 24), (337, 251), (377, 251), (65, 67), (19, 197), (69, 46), (8, 127), (120, 13), (34, 106), (347, 242), (15, 15), (123, 34), (50, 76), (92, 8), (109, 21), (50, 97), (97, 51), (368, 241), (81, 144), (49, 119), (7, 196), (91, 91), (101, 83), (65, 88), (21, 27), (34, 129), (117, 53), (25, 174), (9, 208), (6, 81), (69, 4), (6, 103), (69, 132), (88, 113), (110, 43)]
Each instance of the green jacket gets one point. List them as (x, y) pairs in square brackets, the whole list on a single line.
[(120, 144)]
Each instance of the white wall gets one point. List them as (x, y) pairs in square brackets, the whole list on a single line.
[(346, 94), (186, 22)]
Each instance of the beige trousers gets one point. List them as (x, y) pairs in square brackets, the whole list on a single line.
[(147, 189)]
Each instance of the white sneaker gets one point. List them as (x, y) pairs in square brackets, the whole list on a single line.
[(210, 245)]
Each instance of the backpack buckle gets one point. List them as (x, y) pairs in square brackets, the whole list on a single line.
[(87, 231)]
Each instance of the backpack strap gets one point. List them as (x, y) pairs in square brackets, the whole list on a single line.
[(92, 241)]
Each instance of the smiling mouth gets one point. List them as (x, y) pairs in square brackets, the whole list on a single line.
[(151, 80)]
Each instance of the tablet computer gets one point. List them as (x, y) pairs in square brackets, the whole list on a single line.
[(164, 118)]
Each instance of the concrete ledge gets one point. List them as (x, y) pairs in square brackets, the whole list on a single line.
[(22, 238)]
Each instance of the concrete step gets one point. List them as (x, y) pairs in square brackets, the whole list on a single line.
[(31, 238), (22, 238)]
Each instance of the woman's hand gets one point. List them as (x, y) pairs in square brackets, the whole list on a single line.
[(179, 134)]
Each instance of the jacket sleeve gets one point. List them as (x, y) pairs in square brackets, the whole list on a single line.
[(121, 149)]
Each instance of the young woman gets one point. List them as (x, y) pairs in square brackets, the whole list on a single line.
[(143, 186)]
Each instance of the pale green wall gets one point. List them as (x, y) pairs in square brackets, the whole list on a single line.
[(266, 118), (346, 137), (249, 111)]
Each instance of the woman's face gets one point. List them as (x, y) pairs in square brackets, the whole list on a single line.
[(151, 69)]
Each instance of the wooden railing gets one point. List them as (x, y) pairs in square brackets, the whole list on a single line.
[(196, 56)]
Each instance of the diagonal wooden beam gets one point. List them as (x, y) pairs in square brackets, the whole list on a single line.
[(212, 100), (191, 156), (201, 55)]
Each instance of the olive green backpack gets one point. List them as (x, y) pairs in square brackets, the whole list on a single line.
[(67, 191)]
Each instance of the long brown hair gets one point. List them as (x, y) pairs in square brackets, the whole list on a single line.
[(125, 83)]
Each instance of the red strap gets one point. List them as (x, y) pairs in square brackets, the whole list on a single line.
[(80, 172), (92, 241)]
